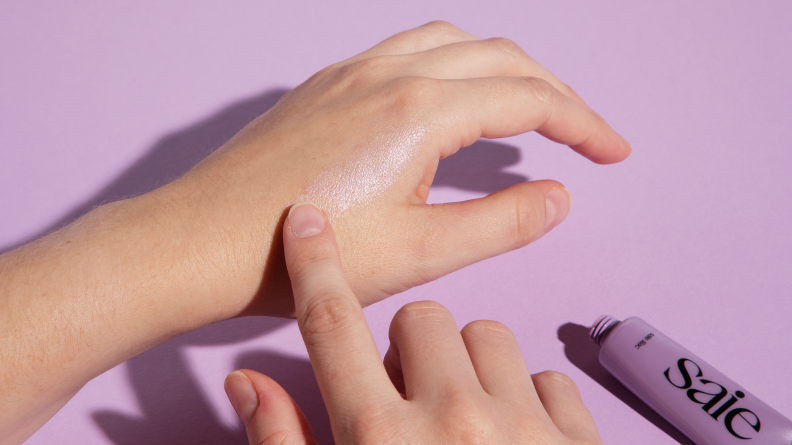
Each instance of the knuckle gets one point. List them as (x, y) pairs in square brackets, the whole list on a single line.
[(469, 423), (418, 310), (568, 89), (523, 223), (365, 71), (329, 312), (488, 328), (542, 90), (324, 74), (555, 381), (431, 35), (506, 46), (410, 92), (441, 26)]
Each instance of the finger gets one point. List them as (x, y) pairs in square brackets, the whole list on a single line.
[(496, 107), (498, 362), (268, 412), (463, 233), (392, 364), (432, 356), (562, 401), (422, 38), (496, 57), (342, 351)]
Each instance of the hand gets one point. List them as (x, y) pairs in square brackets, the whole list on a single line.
[(362, 139), (437, 385)]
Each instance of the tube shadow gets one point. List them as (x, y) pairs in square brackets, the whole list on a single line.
[(175, 411), (584, 354)]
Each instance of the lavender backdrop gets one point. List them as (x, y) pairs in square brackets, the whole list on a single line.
[(100, 100)]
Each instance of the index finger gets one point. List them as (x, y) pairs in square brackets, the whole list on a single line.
[(342, 351), (497, 107)]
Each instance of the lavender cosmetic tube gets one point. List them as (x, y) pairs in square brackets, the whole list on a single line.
[(704, 404)]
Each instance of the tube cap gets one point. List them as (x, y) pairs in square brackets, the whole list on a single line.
[(601, 326)]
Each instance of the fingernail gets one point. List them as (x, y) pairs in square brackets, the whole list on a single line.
[(242, 395), (305, 220), (558, 202)]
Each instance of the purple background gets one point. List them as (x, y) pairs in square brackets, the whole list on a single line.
[(692, 232)]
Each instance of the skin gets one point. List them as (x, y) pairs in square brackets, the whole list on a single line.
[(437, 386), (207, 247)]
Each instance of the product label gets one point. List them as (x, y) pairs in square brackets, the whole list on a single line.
[(689, 377), (643, 341)]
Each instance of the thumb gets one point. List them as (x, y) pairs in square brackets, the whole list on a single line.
[(268, 412), (463, 233)]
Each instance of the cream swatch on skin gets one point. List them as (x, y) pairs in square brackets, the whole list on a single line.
[(364, 173)]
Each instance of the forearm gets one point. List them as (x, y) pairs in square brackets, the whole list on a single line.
[(123, 278)]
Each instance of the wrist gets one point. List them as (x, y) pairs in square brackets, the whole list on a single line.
[(123, 278)]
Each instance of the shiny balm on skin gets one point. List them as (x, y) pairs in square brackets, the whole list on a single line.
[(700, 401), (368, 169)]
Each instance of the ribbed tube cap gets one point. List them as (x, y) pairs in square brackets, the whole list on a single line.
[(601, 326)]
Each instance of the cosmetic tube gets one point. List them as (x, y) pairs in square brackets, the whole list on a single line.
[(696, 398)]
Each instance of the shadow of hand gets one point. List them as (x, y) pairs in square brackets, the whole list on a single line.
[(172, 156), (175, 410), (296, 376), (479, 168)]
